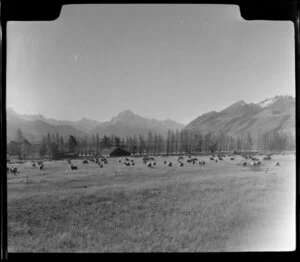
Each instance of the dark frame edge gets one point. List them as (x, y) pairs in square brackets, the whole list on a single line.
[(4, 252), (33, 10), (3, 152)]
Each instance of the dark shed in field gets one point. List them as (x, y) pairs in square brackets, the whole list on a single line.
[(115, 152), (66, 156)]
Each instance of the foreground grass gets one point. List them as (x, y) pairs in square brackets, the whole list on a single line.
[(144, 210)]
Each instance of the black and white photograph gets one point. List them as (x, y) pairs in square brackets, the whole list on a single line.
[(150, 128)]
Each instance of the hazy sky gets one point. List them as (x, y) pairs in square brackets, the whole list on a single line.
[(160, 61)]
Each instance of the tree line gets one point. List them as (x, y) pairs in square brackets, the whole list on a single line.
[(175, 142)]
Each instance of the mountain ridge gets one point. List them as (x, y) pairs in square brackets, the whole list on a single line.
[(126, 123), (274, 113)]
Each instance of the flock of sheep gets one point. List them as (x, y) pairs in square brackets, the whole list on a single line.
[(100, 162), (151, 162), (34, 164)]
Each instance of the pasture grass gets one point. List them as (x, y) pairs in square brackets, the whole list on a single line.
[(138, 209)]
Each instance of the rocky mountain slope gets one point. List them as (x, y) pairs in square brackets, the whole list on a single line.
[(276, 113)]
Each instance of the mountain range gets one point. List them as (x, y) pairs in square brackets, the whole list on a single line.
[(272, 114), (276, 113), (126, 123)]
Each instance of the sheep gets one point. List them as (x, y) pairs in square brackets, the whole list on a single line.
[(193, 159), (268, 157), (73, 167), (14, 170), (104, 160), (255, 163)]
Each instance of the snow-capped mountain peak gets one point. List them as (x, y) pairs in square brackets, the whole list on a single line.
[(267, 102)]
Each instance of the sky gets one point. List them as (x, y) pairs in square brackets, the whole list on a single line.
[(162, 61)]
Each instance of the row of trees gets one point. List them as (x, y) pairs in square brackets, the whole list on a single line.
[(176, 142), (20, 146), (274, 141)]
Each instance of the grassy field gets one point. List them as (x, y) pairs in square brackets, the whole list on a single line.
[(217, 207)]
